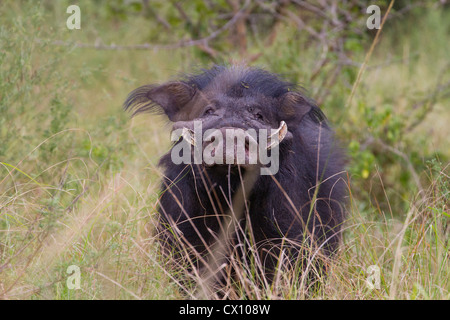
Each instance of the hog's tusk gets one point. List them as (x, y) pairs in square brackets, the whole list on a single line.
[(278, 136), (251, 140), (188, 135)]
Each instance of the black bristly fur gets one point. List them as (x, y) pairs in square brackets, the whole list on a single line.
[(301, 204)]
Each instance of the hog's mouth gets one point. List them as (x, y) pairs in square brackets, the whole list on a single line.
[(233, 145)]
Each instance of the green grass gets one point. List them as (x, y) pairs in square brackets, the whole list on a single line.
[(79, 181)]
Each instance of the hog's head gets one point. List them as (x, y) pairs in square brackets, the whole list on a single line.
[(233, 107)]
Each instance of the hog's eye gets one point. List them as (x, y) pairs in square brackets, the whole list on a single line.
[(208, 111)]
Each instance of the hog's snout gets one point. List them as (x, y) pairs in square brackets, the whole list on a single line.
[(232, 145)]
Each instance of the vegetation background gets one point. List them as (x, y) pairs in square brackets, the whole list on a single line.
[(78, 178)]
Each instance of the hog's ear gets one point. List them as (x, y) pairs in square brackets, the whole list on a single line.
[(169, 98), (294, 106)]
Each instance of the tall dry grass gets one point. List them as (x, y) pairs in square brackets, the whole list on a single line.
[(79, 183)]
